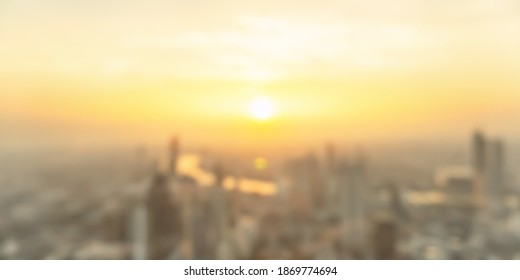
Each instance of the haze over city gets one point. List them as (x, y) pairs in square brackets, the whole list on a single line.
[(340, 129)]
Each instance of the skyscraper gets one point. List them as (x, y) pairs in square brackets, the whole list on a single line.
[(353, 206), (479, 166), (224, 249), (138, 228), (479, 153), (384, 237), (489, 167), (187, 202), (164, 221), (496, 167)]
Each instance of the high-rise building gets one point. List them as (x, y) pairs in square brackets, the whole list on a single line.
[(163, 218), (460, 203), (353, 205), (479, 153), (138, 227), (480, 164), (384, 234), (220, 200), (224, 246), (496, 167), (489, 167)]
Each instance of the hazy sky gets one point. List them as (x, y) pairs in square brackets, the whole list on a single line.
[(97, 71)]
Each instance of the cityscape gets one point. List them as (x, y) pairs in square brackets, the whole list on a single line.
[(322, 205), (259, 130)]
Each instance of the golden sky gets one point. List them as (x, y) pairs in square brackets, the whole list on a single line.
[(103, 70)]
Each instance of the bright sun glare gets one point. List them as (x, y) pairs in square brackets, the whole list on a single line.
[(262, 108)]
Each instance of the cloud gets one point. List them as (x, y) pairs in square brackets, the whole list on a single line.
[(291, 47), (261, 39)]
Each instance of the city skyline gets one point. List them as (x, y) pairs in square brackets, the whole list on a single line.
[(259, 130)]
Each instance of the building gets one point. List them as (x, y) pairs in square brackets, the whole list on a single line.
[(496, 168), (138, 228), (461, 200), (224, 241), (163, 218), (489, 169), (353, 193), (384, 235), (479, 153)]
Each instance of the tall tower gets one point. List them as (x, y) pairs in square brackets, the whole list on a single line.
[(139, 232), (224, 248), (220, 200), (188, 216), (479, 153), (353, 206), (497, 167), (359, 191), (163, 219), (384, 238), (479, 166), (489, 166)]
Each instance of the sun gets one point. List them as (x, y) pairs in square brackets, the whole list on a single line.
[(262, 108)]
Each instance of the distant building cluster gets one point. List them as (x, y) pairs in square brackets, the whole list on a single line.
[(326, 206)]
